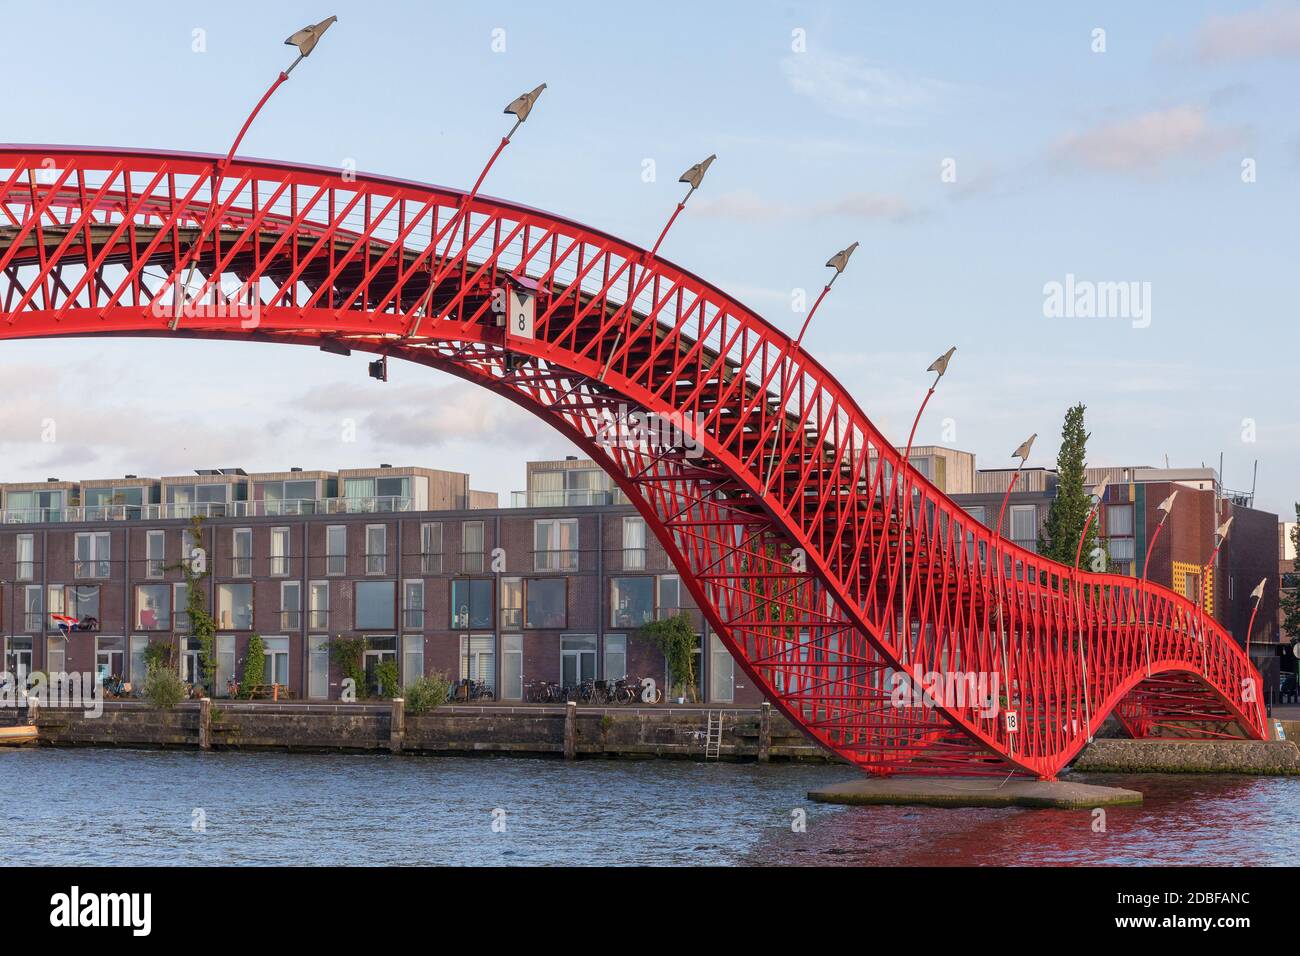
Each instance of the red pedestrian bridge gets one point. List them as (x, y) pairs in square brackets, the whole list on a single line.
[(827, 565)]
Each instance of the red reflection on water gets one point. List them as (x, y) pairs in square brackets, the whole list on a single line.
[(1184, 820)]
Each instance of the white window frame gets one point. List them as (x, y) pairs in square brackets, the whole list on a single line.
[(154, 565), (377, 563), (280, 562), (25, 567), (238, 570), (330, 556)]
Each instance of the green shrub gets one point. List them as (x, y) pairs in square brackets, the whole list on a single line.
[(348, 654), (386, 677), (677, 641), (163, 687), (426, 694), (254, 666)]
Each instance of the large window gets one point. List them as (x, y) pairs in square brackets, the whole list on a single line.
[(153, 609), (336, 549), (546, 602), (32, 506), (431, 548), (377, 494), (631, 601), (376, 605), (235, 607), (555, 544), (376, 549), (471, 603), (82, 602), (512, 602), (287, 497), (633, 544), (92, 555), (25, 557), (413, 605)]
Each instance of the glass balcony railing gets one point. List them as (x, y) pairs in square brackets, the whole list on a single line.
[(208, 509)]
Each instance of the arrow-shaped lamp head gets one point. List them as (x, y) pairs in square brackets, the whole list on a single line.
[(695, 175), (1258, 593), (1099, 490), (1221, 532), (1167, 506), (840, 259), (940, 365), (523, 104), (1025, 447), (307, 38)]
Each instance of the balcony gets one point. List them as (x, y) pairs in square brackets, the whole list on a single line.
[(571, 498), (210, 509)]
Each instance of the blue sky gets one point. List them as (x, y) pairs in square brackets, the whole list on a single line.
[(1115, 166)]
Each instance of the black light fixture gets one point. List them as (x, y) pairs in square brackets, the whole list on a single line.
[(379, 368)]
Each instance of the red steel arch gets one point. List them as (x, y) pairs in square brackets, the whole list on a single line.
[(825, 563)]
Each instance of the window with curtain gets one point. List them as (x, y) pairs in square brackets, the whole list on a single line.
[(633, 544)]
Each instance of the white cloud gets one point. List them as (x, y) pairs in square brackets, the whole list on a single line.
[(851, 87), (1255, 34), (1144, 142)]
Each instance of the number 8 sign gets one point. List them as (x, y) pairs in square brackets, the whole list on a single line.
[(522, 306)]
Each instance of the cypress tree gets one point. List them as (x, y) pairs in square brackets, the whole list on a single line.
[(1069, 511)]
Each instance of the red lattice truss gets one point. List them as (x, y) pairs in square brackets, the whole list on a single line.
[(826, 566)]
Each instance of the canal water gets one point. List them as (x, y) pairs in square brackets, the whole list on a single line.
[(185, 807)]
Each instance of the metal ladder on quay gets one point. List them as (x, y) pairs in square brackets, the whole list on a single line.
[(713, 736)]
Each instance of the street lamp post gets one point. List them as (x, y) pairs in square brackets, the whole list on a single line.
[(519, 108), (938, 366), (1258, 595), (305, 40), (1099, 494), (693, 177), (1220, 536), (1021, 452), (838, 262), (1165, 507)]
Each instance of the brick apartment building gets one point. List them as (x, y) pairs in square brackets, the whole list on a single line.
[(1128, 519), (406, 557)]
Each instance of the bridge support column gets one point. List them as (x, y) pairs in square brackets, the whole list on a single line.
[(765, 732)]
